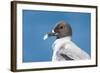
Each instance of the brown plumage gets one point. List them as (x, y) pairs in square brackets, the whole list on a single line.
[(63, 29)]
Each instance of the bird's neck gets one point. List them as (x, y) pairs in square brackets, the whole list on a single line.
[(63, 35), (59, 42), (65, 38), (62, 40)]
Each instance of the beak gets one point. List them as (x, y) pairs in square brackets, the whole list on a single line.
[(50, 34)]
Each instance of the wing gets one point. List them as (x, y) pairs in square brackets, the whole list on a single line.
[(66, 57), (73, 52)]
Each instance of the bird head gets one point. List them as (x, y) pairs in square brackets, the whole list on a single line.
[(62, 29)]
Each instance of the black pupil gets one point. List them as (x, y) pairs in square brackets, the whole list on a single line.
[(61, 27)]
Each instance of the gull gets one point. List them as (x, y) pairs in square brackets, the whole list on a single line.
[(64, 48)]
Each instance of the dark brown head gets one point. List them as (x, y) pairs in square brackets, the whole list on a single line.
[(62, 29)]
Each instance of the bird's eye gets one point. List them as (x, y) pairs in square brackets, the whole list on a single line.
[(61, 27)]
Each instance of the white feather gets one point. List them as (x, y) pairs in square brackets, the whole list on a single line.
[(53, 31), (45, 37), (67, 47)]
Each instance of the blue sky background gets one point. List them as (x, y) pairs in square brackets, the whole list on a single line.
[(37, 23)]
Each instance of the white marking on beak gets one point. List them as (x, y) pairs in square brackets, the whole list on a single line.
[(45, 37)]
